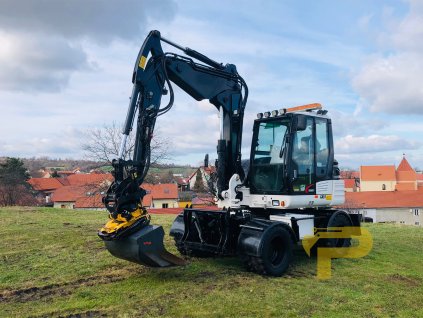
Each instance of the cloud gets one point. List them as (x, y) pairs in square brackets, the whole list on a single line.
[(38, 64), (43, 41), (191, 131), (66, 144), (98, 20), (373, 143), (409, 32), (349, 124), (390, 82)]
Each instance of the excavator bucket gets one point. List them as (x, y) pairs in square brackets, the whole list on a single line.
[(144, 247)]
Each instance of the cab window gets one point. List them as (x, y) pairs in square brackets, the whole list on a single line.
[(322, 147)]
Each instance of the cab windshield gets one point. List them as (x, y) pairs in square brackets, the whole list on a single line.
[(267, 171)]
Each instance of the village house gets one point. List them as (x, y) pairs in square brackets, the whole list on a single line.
[(183, 183), (74, 190), (83, 191), (67, 173), (401, 200), (387, 178), (402, 207), (204, 173), (161, 195), (44, 188)]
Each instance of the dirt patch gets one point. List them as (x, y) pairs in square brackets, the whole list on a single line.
[(33, 293), (414, 282), (293, 273), (86, 314), (54, 290)]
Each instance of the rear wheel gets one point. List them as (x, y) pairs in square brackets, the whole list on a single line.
[(275, 255), (338, 219)]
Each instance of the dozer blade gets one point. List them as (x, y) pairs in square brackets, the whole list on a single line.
[(144, 247)]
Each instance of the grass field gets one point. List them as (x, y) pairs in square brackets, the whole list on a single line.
[(53, 264)]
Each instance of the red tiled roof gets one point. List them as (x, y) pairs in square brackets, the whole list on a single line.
[(377, 173), (63, 181), (349, 183), (405, 172), (404, 166), (68, 194), (182, 181), (388, 199), (403, 175), (419, 176), (161, 191), (89, 202), (349, 174), (405, 186), (88, 178), (45, 184), (158, 192)]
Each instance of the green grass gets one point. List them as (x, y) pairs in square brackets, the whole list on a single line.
[(52, 264)]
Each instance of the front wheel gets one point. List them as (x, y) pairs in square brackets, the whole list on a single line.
[(275, 254)]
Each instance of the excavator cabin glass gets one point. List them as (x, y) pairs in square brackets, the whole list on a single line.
[(296, 143), (267, 169)]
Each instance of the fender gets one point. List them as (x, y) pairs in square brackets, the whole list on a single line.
[(252, 233)]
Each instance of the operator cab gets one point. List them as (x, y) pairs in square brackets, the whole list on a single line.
[(291, 151)]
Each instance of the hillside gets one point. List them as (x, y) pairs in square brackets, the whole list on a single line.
[(53, 264)]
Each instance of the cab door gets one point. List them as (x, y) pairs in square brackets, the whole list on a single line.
[(312, 154), (323, 149), (303, 176)]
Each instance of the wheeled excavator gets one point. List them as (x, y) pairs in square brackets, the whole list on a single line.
[(291, 188)]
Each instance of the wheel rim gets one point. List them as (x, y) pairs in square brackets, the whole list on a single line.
[(277, 251)]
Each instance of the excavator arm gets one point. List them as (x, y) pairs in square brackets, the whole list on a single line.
[(153, 75)]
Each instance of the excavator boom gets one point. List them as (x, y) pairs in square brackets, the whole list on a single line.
[(128, 234)]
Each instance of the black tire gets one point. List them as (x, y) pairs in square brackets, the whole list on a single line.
[(276, 253), (339, 219)]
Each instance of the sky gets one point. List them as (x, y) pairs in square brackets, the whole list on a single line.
[(66, 67)]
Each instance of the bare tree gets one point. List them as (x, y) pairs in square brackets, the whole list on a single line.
[(102, 145)]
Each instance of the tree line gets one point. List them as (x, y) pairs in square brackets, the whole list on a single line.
[(14, 188)]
